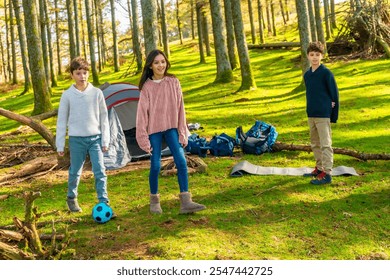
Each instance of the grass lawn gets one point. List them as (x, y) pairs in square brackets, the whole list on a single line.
[(247, 218)]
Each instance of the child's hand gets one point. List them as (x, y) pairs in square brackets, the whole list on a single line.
[(104, 149), (333, 104), (61, 154)]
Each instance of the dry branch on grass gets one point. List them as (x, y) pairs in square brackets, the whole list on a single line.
[(35, 124), (28, 233), (279, 146), (32, 168), (195, 164)]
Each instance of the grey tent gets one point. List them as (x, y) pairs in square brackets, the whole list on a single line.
[(122, 101)]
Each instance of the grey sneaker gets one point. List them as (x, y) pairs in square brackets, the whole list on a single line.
[(73, 205)]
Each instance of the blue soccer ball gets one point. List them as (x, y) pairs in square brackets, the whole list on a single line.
[(101, 213)]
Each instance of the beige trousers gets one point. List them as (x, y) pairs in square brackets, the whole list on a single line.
[(321, 143)]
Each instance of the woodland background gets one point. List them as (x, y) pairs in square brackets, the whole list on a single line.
[(38, 38)]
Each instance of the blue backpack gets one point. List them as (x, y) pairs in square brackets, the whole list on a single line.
[(197, 145), (258, 140), (222, 145)]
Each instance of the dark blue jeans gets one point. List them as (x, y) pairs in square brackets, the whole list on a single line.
[(171, 137)]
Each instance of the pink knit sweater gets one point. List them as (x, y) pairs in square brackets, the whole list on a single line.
[(160, 108)]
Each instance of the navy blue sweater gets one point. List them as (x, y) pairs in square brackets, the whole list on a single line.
[(321, 91)]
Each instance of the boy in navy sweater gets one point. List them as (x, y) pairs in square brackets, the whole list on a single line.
[(322, 107)]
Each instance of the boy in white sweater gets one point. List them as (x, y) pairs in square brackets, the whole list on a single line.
[(83, 112)]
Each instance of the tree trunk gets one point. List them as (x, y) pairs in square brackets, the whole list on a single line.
[(49, 41), (304, 32), (320, 29), (333, 14), (23, 46), (136, 43), (261, 20), (103, 46), (312, 21), (71, 29), (199, 7), (230, 35), (287, 10), (269, 26), (7, 31), (58, 51), (42, 93), (164, 30), (3, 60), (91, 42), (178, 21), (192, 19), (149, 20), (282, 11), (114, 37), (205, 31), (99, 40), (84, 37), (44, 43), (13, 48), (273, 17), (384, 45), (252, 22), (76, 27), (247, 79), (224, 71), (328, 30)]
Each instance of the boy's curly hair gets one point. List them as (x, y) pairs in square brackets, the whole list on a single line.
[(315, 47), (78, 63)]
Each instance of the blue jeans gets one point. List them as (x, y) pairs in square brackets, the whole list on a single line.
[(78, 148), (172, 139)]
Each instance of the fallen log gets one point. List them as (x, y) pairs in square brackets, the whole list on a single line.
[(11, 235), (41, 224), (32, 167), (35, 124), (279, 45), (194, 164), (279, 146), (8, 252), (46, 115)]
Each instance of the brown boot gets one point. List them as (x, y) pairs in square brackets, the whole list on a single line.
[(187, 205), (155, 207)]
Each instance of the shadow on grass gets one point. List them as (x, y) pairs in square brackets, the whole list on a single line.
[(246, 210)]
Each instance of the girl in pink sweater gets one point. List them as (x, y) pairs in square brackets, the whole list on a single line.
[(161, 115)]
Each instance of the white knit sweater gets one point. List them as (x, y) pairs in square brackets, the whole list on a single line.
[(84, 114)]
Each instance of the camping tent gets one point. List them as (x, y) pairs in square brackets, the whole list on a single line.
[(122, 101)]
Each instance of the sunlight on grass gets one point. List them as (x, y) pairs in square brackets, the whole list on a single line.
[(250, 217)]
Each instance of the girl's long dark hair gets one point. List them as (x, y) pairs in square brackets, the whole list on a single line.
[(147, 72)]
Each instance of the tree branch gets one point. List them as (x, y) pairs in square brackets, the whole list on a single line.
[(278, 146), (31, 122)]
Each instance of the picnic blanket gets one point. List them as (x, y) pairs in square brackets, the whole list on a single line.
[(245, 167)]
